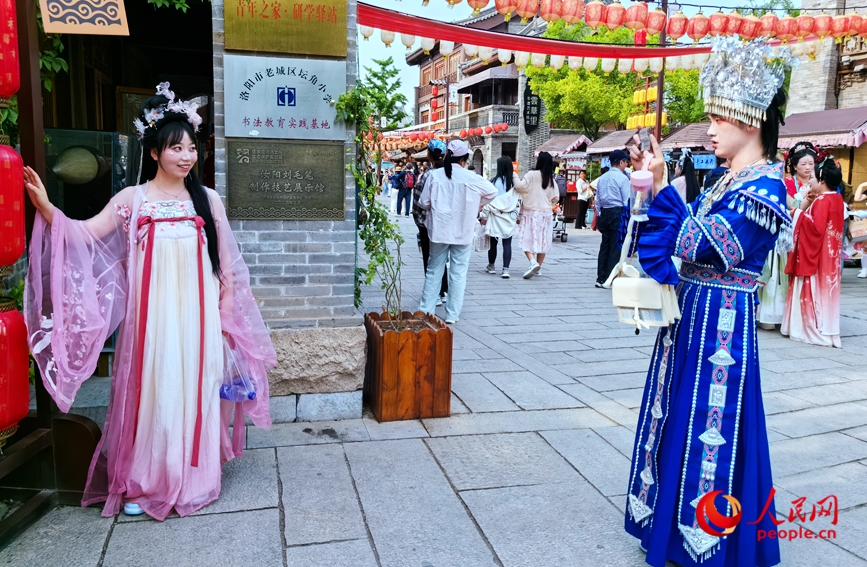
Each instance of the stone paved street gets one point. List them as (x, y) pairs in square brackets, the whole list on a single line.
[(530, 470)]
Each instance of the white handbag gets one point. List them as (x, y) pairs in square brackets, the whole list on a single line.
[(640, 301)]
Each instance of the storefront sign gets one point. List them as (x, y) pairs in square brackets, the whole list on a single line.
[(277, 179), (532, 110), (704, 161), (275, 97), (315, 27), (92, 17)]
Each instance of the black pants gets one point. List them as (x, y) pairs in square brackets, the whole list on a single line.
[(403, 196), (507, 251), (609, 252), (424, 242), (581, 219)]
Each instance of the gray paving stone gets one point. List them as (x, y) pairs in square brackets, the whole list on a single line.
[(627, 356), (852, 531), (283, 409), (643, 340), (319, 500), (465, 354), (457, 406), (822, 419), (597, 461), (857, 432), (307, 433), (772, 381), (792, 456), (810, 553), (846, 481), (413, 514), (515, 422), (551, 346), (531, 392), (629, 398), (474, 366), (328, 407), (480, 395), (229, 540), (408, 429), (830, 394), (552, 525), (249, 483), (355, 553), (606, 383), (800, 365), (604, 405), (493, 461), (69, 535), (620, 438), (782, 402)]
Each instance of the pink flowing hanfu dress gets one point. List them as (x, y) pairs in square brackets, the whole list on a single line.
[(166, 432), (812, 313)]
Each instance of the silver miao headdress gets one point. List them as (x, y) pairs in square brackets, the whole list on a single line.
[(740, 79)]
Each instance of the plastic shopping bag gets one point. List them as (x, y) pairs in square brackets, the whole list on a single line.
[(237, 383), (481, 241)]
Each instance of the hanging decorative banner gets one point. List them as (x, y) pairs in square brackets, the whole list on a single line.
[(532, 110), (276, 97), (92, 17), (315, 27)]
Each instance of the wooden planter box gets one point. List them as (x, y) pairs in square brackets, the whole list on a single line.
[(408, 374)]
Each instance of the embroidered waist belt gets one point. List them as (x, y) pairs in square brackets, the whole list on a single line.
[(733, 280)]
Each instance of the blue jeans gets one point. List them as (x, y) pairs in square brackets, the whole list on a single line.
[(404, 196), (458, 256)]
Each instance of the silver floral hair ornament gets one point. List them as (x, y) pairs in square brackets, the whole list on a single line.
[(740, 79), (153, 116)]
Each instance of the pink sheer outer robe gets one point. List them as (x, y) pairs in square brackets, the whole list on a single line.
[(81, 285)]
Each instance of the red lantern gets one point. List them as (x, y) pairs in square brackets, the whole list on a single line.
[(479, 131), (11, 206), (698, 27), (839, 27), (14, 369), (10, 69), (477, 5), (435, 91), (733, 23), (805, 25), (614, 15), (504, 126), (750, 27), (822, 25), (506, 7), (655, 22), (462, 134), (550, 10), (855, 23), (677, 26), (640, 38), (434, 103), (636, 16), (488, 130), (595, 14), (571, 11), (786, 29), (718, 23), (527, 9), (769, 25)]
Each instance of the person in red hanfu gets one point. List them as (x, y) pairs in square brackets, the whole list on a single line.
[(812, 312)]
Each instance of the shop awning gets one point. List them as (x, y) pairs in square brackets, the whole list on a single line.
[(828, 128), (563, 144), (691, 136), (617, 140), (509, 71)]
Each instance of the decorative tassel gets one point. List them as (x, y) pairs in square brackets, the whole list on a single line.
[(741, 206)]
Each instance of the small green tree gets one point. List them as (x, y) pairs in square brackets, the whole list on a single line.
[(681, 97), (382, 93)]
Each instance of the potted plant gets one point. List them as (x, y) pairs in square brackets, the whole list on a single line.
[(409, 355)]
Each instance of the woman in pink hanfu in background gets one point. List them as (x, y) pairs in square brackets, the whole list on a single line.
[(160, 262), (812, 313)]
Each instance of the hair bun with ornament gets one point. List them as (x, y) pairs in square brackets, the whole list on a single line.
[(163, 108)]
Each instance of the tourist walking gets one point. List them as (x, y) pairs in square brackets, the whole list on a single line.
[(436, 151), (500, 217), (169, 243), (583, 197), (539, 196), (406, 185), (701, 433), (396, 182), (453, 198), (812, 313), (562, 188), (612, 195)]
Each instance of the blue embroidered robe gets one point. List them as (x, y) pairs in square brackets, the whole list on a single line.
[(702, 424)]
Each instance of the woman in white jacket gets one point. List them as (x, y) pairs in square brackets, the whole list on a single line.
[(539, 196), (500, 217)]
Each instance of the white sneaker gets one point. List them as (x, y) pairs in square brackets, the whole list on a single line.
[(505, 275), (451, 321), (863, 273), (539, 271), (439, 301), (491, 269), (532, 271)]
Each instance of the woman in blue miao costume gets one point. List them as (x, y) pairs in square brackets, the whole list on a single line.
[(702, 423)]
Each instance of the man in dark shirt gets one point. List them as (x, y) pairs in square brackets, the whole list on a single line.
[(612, 195)]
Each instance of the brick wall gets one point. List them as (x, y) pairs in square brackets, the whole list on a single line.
[(813, 81), (302, 272)]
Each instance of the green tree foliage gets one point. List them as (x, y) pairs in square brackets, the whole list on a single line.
[(381, 92), (681, 97)]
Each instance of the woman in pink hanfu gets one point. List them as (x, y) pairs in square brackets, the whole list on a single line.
[(812, 313), (159, 261)]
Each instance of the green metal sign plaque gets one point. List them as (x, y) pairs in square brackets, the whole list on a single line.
[(288, 180)]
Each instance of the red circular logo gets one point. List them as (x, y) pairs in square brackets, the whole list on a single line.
[(707, 514)]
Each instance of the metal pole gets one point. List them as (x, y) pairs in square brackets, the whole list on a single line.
[(447, 102), (660, 83)]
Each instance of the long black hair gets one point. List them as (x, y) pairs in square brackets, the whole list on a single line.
[(504, 172), (545, 164), (693, 189), (452, 159), (169, 131), (774, 117), (828, 171)]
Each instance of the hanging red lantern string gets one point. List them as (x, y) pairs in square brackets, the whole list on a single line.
[(10, 68), (750, 27), (697, 27), (769, 25), (504, 7), (12, 210), (595, 14), (822, 25), (636, 16), (527, 9), (786, 28), (655, 22), (571, 11), (855, 24), (551, 10), (718, 24), (614, 15), (677, 26), (14, 368), (805, 25), (733, 23), (839, 27), (477, 6)]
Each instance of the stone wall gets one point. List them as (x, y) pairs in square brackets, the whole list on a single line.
[(853, 94), (302, 274), (527, 143), (813, 81)]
